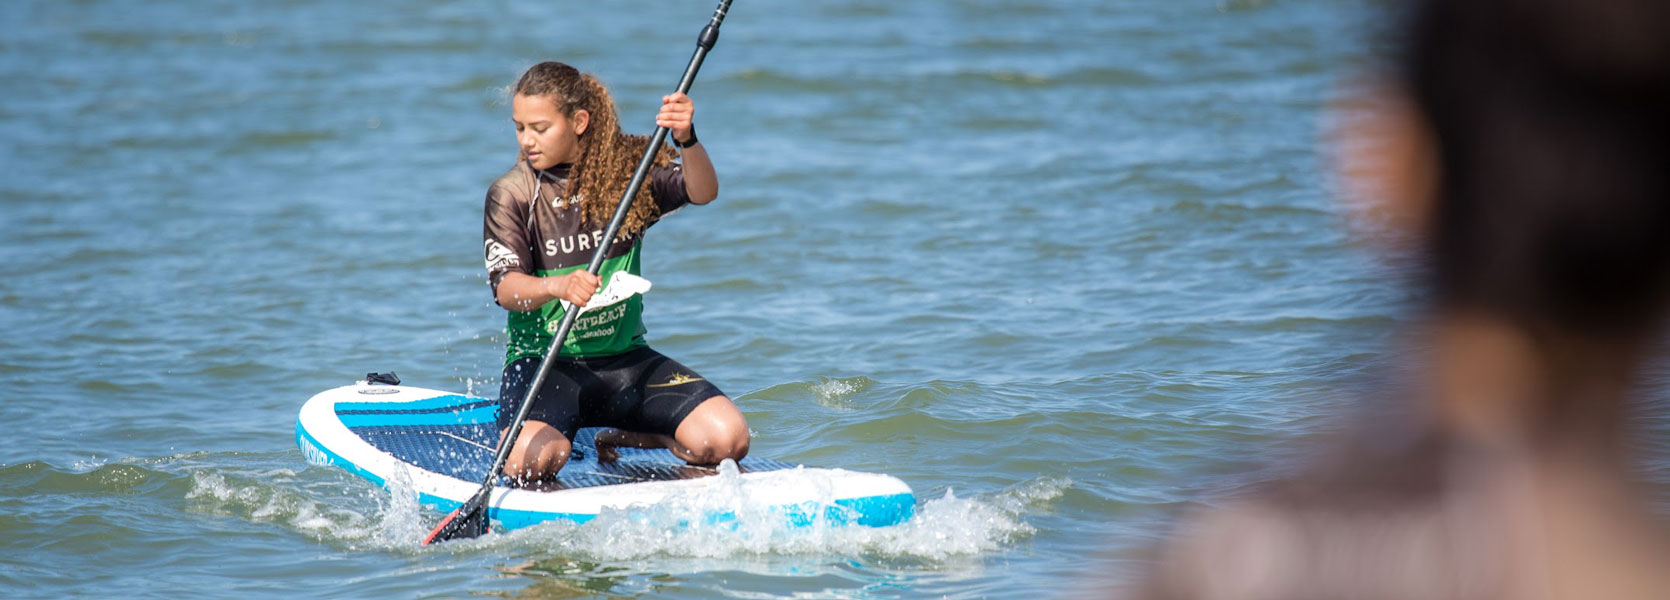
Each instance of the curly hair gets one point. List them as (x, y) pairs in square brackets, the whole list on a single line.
[(607, 156)]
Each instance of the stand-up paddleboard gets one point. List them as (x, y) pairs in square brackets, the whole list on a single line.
[(442, 445)]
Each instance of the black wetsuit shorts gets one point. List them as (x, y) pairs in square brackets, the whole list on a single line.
[(639, 390)]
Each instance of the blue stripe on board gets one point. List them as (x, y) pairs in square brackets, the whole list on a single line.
[(438, 402), (869, 511), (396, 410), (484, 414)]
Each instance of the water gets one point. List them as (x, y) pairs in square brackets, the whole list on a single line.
[(1061, 265)]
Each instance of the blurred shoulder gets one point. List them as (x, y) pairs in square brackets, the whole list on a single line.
[(1428, 520)]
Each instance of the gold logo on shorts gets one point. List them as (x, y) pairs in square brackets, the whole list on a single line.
[(676, 379)]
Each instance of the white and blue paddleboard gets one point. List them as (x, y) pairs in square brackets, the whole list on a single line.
[(442, 444)]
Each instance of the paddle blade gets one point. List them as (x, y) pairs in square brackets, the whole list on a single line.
[(470, 520)]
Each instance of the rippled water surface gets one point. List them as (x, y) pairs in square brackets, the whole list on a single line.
[(1060, 265)]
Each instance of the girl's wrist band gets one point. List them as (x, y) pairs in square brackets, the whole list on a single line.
[(686, 144)]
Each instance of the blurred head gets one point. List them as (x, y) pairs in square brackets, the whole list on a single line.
[(1533, 134)]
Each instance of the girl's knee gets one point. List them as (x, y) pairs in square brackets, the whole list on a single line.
[(540, 452), (552, 456), (729, 443), (715, 431), (738, 448)]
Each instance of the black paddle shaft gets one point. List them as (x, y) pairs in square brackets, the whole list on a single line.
[(704, 43)]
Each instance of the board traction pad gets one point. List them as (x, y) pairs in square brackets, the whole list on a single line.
[(454, 435)]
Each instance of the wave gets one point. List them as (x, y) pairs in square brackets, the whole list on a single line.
[(153, 498)]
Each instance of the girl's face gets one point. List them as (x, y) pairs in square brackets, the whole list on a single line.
[(547, 138)]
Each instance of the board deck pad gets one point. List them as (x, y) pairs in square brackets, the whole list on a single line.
[(440, 445), (455, 436)]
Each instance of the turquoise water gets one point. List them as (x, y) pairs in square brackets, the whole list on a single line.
[(1060, 265)]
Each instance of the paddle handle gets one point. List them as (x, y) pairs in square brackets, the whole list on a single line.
[(704, 42)]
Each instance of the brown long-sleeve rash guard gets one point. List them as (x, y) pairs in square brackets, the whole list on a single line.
[(533, 227)]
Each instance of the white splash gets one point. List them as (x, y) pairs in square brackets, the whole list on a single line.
[(372, 518), (89, 464), (943, 528), (837, 393)]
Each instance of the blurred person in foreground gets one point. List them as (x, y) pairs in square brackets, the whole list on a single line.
[(1521, 146)]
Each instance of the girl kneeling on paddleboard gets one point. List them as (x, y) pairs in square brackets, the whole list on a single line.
[(544, 219)]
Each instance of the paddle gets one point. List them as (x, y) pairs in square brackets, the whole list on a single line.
[(470, 520)]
